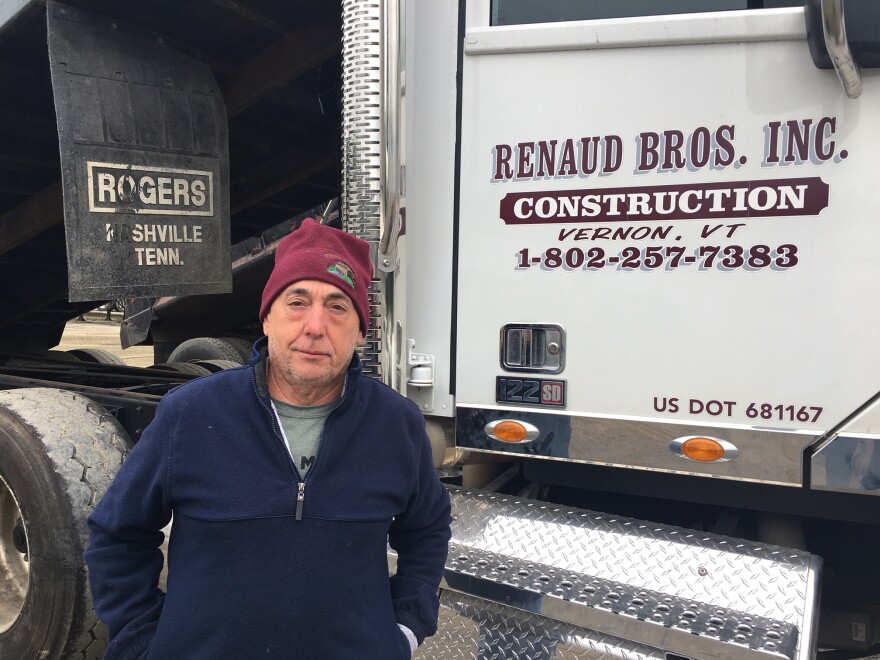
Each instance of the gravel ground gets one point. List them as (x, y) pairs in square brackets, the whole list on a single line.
[(96, 332)]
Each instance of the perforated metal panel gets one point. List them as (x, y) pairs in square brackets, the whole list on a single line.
[(361, 158)]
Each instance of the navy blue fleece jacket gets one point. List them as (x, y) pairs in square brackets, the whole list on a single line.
[(249, 575)]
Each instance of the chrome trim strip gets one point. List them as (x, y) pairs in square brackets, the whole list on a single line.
[(861, 436), (391, 90), (473, 453), (767, 456), (785, 24), (847, 463), (638, 418), (834, 29)]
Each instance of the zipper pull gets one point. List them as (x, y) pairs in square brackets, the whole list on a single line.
[(300, 496)]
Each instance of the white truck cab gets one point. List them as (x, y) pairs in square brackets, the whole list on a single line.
[(628, 247)]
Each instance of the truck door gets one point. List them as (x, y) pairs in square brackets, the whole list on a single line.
[(665, 231)]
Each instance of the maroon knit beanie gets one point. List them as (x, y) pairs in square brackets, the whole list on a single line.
[(319, 252)]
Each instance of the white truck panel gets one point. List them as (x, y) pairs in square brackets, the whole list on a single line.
[(430, 178), (786, 340)]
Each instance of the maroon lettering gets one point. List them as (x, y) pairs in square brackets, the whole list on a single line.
[(724, 153), (568, 162), (647, 144), (825, 126), (546, 158), (802, 140), (700, 147), (798, 146), (503, 170), (589, 155), (667, 404), (771, 142), (713, 407), (673, 141), (525, 168), (613, 153), (721, 257), (742, 199)]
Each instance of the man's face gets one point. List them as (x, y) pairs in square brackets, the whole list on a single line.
[(313, 329)]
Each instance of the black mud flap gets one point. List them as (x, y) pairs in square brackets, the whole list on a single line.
[(144, 149)]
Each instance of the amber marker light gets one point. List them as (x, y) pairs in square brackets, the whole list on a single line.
[(704, 449), (511, 430)]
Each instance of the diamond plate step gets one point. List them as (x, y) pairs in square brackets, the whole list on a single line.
[(655, 588), (471, 627)]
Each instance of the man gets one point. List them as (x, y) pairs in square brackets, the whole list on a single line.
[(285, 478)]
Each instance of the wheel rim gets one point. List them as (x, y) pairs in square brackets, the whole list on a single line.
[(14, 566)]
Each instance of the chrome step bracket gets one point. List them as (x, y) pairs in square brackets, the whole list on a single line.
[(653, 586)]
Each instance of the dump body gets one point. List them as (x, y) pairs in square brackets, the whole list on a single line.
[(145, 101)]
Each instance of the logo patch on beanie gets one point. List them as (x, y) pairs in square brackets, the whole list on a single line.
[(342, 271)]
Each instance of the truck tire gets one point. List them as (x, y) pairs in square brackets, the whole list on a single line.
[(97, 355), (58, 453), (36, 359), (64, 356), (217, 365), (205, 348), (188, 368), (243, 346)]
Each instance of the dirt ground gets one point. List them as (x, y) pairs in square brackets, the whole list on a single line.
[(96, 332)]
